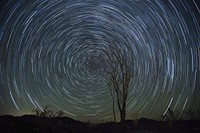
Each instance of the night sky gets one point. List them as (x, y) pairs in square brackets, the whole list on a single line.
[(54, 52)]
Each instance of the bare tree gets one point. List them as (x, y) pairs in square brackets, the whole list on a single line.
[(46, 112), (112, 94), (120, 73), (171, 115), (60, 113), (36, 112)]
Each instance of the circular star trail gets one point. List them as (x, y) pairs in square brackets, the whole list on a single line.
[(54, 52)]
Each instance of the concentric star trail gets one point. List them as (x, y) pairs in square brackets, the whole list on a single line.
[(53, 52)]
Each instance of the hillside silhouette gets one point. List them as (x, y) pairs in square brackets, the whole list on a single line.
[(35, 124)]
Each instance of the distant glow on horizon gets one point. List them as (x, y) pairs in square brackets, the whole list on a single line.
[(54, 52)]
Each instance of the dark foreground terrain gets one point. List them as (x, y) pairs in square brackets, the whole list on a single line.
[(34, 124)]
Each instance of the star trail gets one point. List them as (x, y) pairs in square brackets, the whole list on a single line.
[(54, 52)]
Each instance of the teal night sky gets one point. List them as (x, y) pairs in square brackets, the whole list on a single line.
[(54, 52)]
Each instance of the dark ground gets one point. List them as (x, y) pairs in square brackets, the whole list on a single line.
[(34, 124)]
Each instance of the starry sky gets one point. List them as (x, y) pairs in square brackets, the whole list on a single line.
[(54, 52)]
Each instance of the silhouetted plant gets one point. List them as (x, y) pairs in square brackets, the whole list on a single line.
[(120, 74), (60, 113), (46, 112), (112, 94), (36, 112), (171, 115)]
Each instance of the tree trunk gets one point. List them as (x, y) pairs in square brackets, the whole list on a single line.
[(123, 112), (113, 103), (114, 111)]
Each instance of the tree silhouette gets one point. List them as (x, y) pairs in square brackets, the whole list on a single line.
[(113, 101), (36, 112), (120, 74), (171, 115), (46, 112), (60, 113)]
